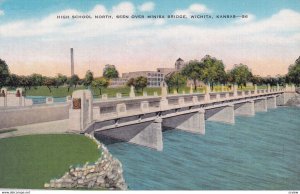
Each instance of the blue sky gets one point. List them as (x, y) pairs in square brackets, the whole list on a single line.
[(33, 40), (20, 9)]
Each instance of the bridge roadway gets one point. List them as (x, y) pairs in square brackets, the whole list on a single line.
[(143, 126)]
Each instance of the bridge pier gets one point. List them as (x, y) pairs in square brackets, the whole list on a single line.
[(282, 99), (271, 102), (191, 122), (151, 136), (222, 114), (148, 134), (261, 105), (244, 109)]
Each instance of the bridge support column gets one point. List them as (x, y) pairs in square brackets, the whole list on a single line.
[(271, 102), (81, 112), (282, 99), (223, 115), (151, 136), (191, 122), (261, 105), (245, 109)]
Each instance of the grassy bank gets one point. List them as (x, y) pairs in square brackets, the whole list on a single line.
[(63, 91), (30, 161)]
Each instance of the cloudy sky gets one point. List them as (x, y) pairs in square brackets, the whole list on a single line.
[(33, 40)]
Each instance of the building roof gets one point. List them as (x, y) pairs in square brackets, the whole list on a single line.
[(179, 59)]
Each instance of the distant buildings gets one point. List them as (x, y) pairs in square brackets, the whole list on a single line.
[(117, 82), (154, 78)]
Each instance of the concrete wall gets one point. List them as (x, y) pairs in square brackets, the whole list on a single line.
[(244, 109), (148, 134), (223, 114), (261, 105), (28, 115), (284, 98), (271, 103), (192, 122)]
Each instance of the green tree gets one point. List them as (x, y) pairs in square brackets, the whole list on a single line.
[(36, 80), (194, 70), (139, 83), (49, 82), (131, 82), (110, 72), (25, 82), (4, 73), (294, 72), (60, 80), (240, 74), (256, 79), (88, 79), (100, 83), (175, 80), (214, 71), (72, 81), (14, 80)]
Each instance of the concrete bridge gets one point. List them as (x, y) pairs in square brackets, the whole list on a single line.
[(141, 120)]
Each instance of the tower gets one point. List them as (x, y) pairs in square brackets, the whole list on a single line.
[(72, 62)]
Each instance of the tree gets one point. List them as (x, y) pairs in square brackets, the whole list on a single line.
[(60, 80), (240, 74), (110, 72), (175, 80), (100, 83), (194, 70), (4, 73), (72, 81), (36, 80), (88, 79), (256, 79), (138, 83), (214, 71), (294, 72), (14, 80), (49, 82)]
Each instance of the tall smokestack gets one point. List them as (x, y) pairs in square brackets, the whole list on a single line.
[(72, 62)]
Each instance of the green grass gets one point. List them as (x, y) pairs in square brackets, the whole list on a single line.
[(111, 92), (30, 161)]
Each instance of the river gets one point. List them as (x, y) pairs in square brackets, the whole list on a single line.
[(257, 153)]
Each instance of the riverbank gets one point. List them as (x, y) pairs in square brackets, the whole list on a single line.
[(29, 161), (105, 173)]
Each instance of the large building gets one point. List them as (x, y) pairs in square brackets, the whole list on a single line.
[(153, 77), (166, 71), (118, 82)]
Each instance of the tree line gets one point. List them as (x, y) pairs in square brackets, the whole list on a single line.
[(212, 71), (35, 80), (208, 70)]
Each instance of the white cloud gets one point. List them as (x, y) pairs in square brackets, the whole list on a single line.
[(146, 7), (125, 40), (193, 9), (1, 12)]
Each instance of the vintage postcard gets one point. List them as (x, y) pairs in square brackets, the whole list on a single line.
[(149, 95)]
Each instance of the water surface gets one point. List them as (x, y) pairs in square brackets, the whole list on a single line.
[(261, 152)]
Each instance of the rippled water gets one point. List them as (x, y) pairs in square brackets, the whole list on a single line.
[(261, 152)]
